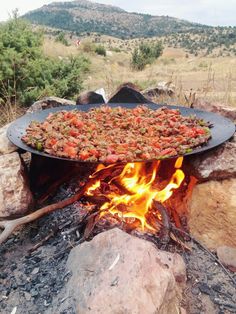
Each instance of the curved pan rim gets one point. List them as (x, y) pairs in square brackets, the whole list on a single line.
[(222, 130)]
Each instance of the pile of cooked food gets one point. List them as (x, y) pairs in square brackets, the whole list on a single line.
[(110, 135)]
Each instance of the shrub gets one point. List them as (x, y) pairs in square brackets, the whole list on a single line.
[(138, 60), (61, 38), (88, 47), (115, 49), (145, 54), (26, 74), (100, 50)]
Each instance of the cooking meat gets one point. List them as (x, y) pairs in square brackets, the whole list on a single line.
[(111, 135)]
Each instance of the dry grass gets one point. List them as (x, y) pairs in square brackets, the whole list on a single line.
[(57, 49), (10, 112), (209, 77), (212, 78)]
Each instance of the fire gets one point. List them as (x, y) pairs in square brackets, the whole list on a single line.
[(137, 186)]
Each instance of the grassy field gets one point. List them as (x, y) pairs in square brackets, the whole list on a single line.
[(213, 78)]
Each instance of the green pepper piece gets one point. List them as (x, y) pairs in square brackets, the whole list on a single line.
[(39, 146), (189, 150)]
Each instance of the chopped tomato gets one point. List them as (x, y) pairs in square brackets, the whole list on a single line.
[(68, 115), (94, 152), (112, 158), (71, 144), (137, 119), (52, 141), (83, 155), (173, 118), (200, 131), (156, 145), (145, 156), (77, 123), (73, 133), (166, 139), (168, 151), (70, 151)]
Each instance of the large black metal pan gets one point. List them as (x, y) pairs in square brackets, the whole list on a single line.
[(221, 131)]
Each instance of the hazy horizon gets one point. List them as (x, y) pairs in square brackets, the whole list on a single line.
[(210, 12)]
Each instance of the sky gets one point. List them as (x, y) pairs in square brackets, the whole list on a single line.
[(210, 12)]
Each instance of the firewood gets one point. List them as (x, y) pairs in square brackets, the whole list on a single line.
[(165, 221), (96, 199), (9, 226)]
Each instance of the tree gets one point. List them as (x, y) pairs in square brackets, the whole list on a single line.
[(145, 54), (138, 61), (26, 74)]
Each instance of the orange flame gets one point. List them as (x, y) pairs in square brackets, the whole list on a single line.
[(138, 182)]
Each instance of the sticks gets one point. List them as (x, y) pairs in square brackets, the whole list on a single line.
[(40, 243), (10, 226)]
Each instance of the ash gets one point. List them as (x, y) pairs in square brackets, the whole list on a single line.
[(33, 266)]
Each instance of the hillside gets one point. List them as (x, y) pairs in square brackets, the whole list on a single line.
[(86, 16)]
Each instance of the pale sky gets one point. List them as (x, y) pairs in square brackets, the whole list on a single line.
[(211, 12)]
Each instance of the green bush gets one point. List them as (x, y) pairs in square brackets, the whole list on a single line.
[(138, 60), (26, 74), (62, 39), (100, 50), (145, 54)]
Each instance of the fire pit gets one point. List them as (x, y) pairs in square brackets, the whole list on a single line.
[(133, 193), (146, 199)]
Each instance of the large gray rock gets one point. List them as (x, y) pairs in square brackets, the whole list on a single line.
[(49, 102), (15, 195), (220, 163), (118, 273), (6, 146), (90, 97), (217, 164), (128, 93), (162, 88)]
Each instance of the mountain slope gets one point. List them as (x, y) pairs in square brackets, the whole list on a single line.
[(85, 16)]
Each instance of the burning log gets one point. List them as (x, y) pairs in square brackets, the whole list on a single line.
[(165, 231), (97, 200)]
